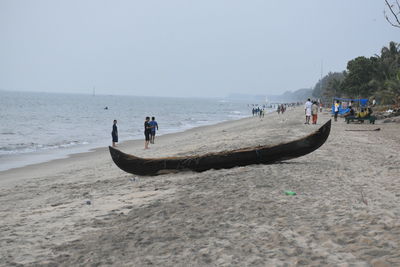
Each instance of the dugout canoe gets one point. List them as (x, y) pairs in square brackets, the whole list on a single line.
[(222, 160)]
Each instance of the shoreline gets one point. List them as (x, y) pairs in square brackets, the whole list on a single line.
[(70, 131), (18, 173), (44, 157), (345, 211)]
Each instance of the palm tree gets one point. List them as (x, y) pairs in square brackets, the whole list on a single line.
[(387, 73), (393, 89), (390, 60)]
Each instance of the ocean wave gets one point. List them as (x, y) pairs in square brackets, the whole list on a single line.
[(22, 148), (7, 133)]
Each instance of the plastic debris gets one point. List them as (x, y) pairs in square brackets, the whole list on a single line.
[(290, 193)]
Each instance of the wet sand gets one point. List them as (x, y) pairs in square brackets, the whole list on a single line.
[(346, 211)]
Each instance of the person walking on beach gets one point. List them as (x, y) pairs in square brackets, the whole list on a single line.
[(147, 132), (373, 102), (307, 111), (314, 112), (336, 109), (154, 126), (114, 133)]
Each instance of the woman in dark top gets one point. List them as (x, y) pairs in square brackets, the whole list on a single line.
[(147, 132), (114, 133)]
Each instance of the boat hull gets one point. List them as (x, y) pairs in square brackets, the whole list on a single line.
[(222, 160)]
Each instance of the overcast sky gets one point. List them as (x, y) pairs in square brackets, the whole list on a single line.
[(183, 48)]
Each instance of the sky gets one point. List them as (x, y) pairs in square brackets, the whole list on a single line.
[(184, 48)]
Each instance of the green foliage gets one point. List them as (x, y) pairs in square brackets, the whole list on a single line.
[(377, 76), (359, 73), (329, 86)]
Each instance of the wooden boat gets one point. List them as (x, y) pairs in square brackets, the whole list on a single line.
[(222, 160)]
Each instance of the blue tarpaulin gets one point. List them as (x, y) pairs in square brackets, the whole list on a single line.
[(343, 104)]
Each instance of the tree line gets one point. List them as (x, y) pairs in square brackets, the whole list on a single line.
[(377, 76)]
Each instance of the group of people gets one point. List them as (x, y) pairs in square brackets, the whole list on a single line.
[(311, 110), (150, 128), (281, 108), (365, 110), (258, 112)]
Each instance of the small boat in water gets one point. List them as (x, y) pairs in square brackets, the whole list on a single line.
[(224, 159)]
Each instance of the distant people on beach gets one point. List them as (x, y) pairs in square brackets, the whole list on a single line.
[(350, 113), (258, 112), (154, 127), (261, 113), (336, 109), (114, 133), (307, 110), (314, 112), (373, 102), (363, 113), (147, 132), (283, 108)]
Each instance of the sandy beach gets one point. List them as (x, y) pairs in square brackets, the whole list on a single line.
[(85, 211)]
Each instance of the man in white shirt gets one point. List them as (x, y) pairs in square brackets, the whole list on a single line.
[(307, 111)]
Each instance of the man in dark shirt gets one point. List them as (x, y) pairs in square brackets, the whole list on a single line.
[(154, 127), (147, 132), (350, 113), (114, 134)]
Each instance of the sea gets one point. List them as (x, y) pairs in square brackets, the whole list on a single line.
[(39, 127)]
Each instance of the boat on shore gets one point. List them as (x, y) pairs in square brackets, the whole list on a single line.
[(222, 160)]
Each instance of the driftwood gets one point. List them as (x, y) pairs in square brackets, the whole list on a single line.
[(364, 130)]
